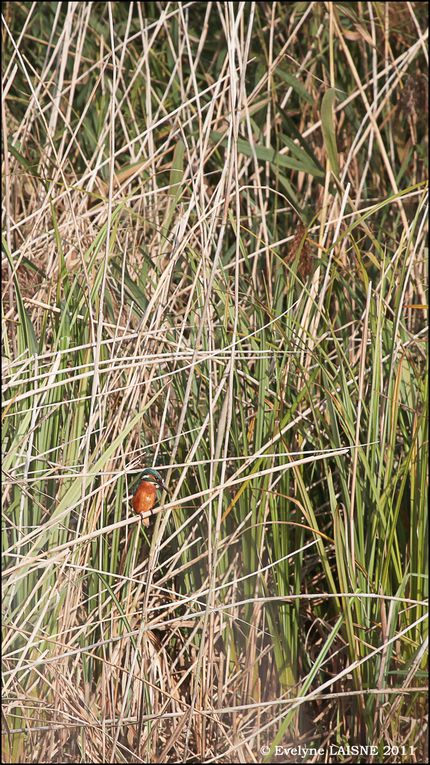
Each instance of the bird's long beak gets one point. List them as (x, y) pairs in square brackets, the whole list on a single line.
[(164, 487)]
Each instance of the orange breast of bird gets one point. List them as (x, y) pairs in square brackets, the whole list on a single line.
[(144, 499)]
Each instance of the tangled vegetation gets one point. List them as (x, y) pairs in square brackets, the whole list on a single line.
[(214, 263)]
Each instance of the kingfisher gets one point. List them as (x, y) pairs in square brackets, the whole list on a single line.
[(146, 494)]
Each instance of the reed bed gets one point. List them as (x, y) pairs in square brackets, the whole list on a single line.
[(214, 263)]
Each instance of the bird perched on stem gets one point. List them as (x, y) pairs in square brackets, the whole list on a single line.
[(146, 494)]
